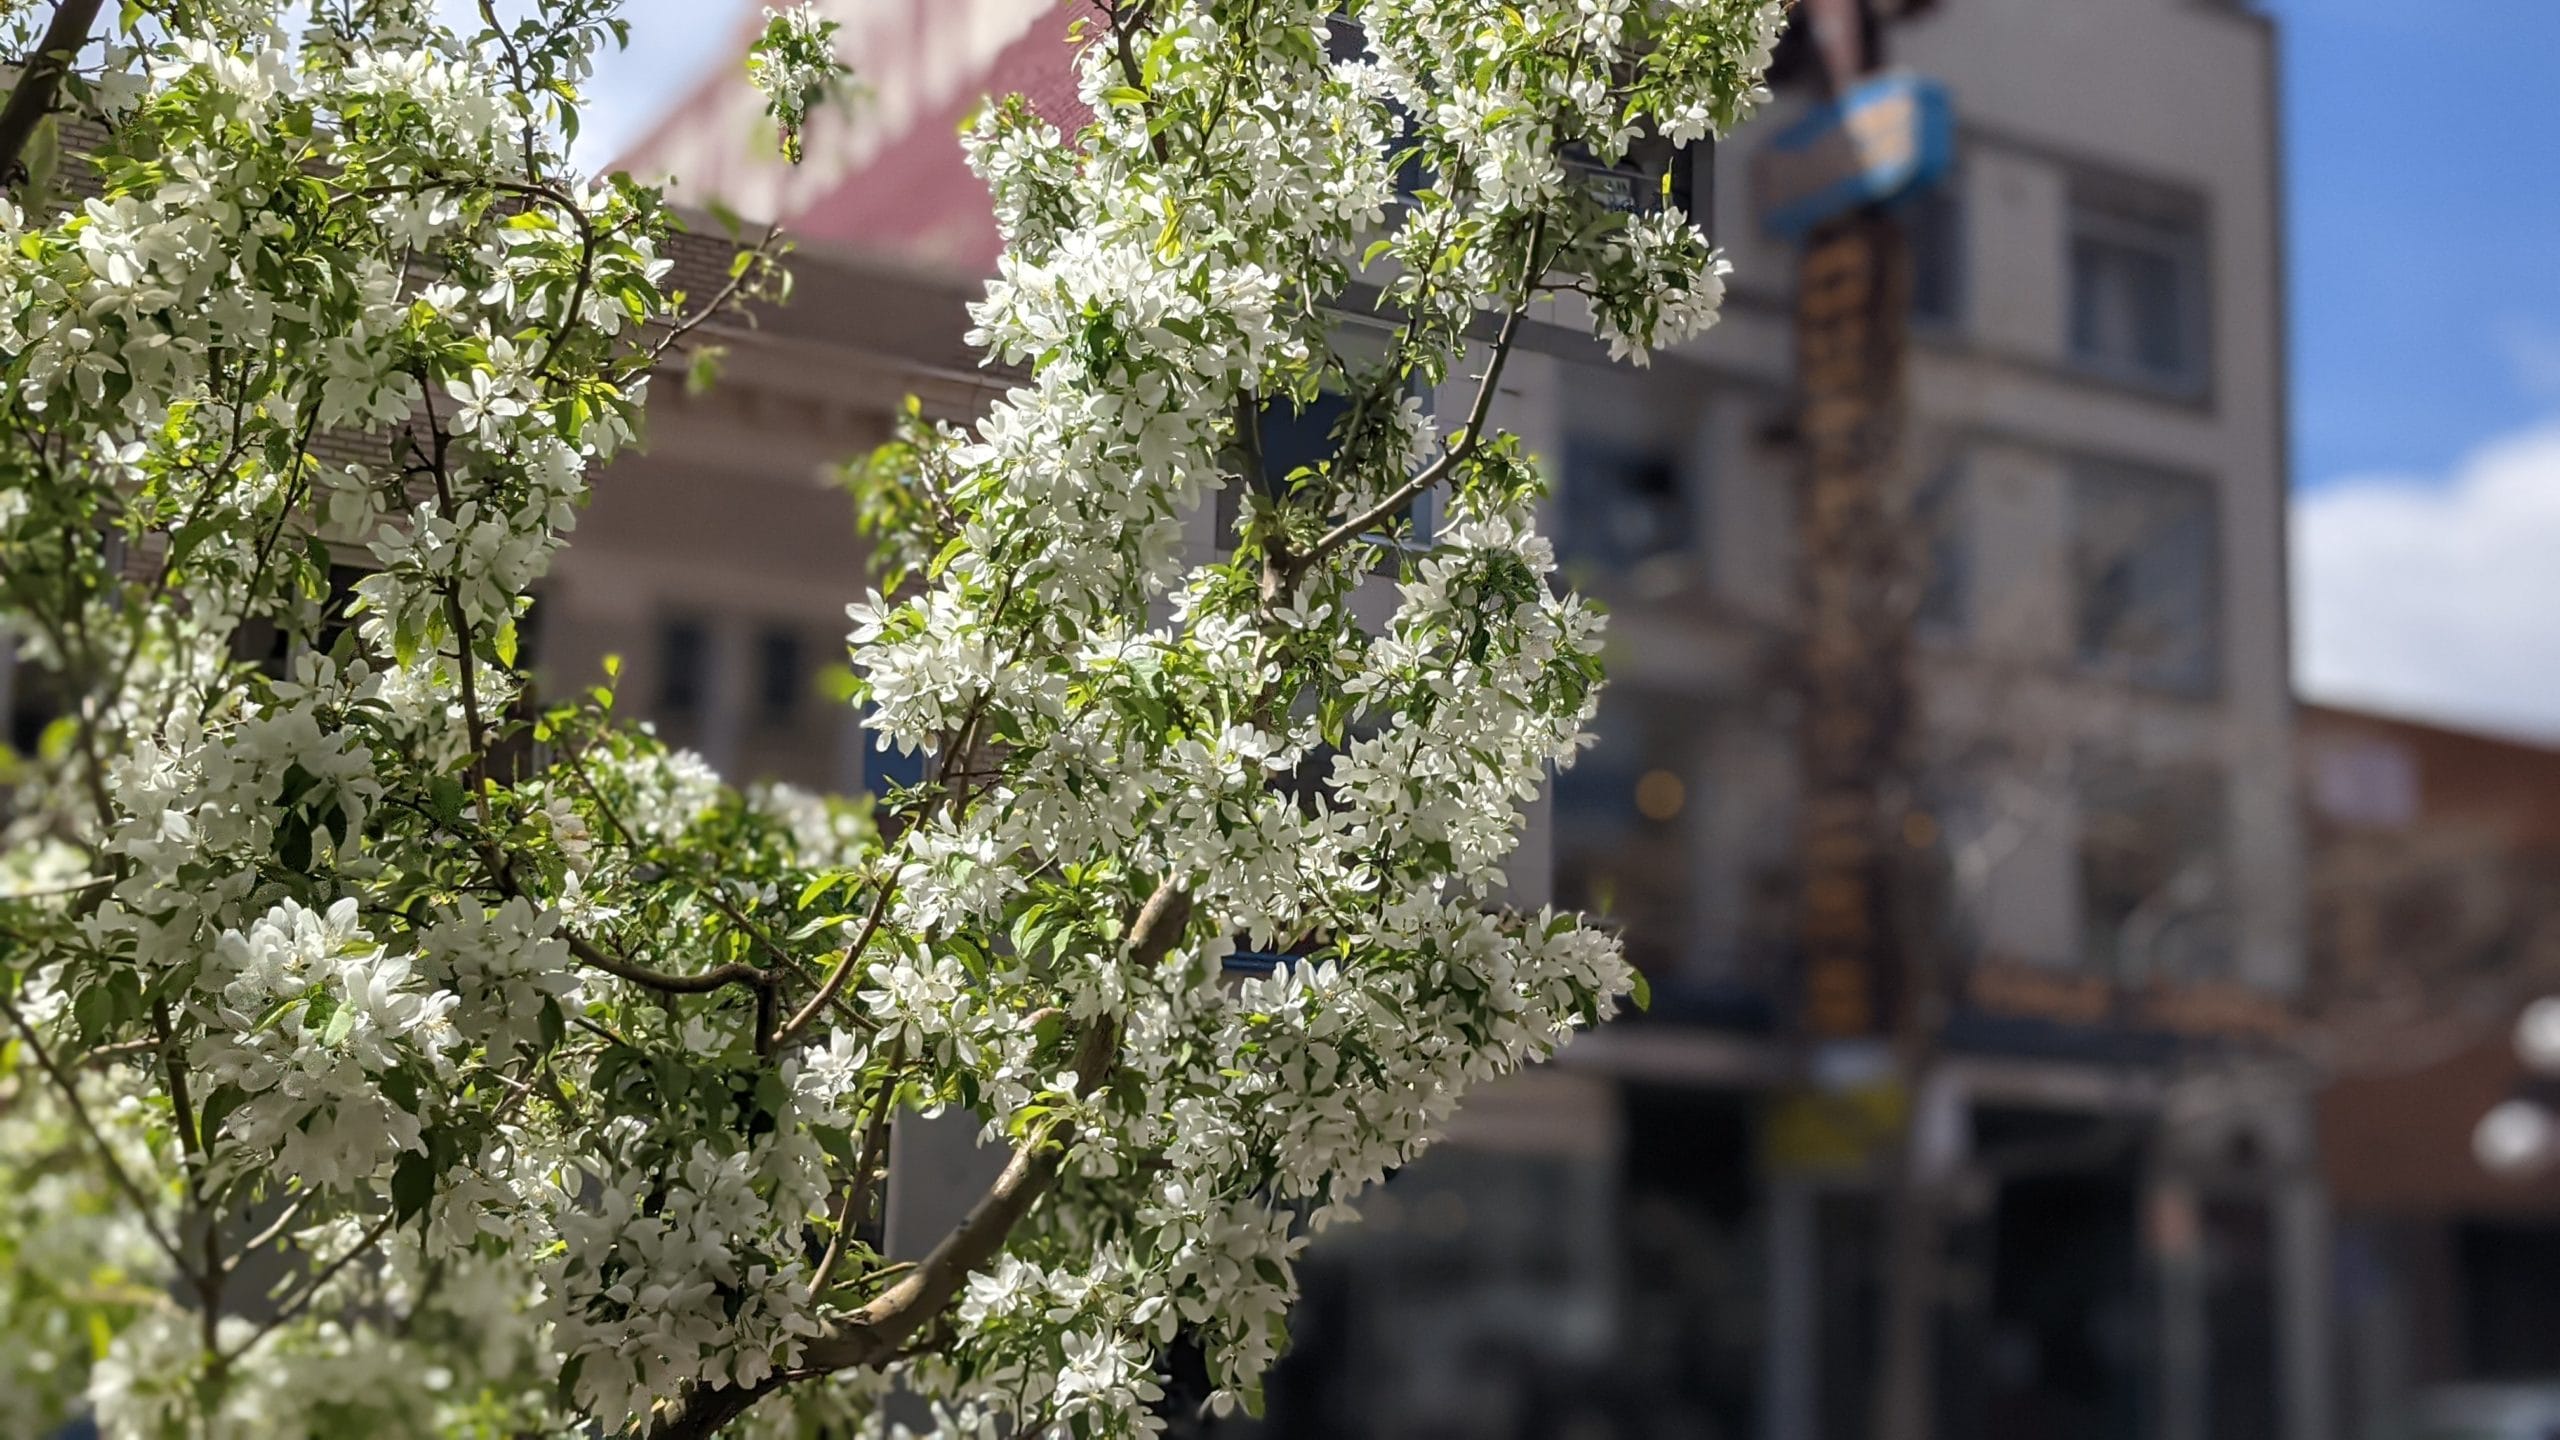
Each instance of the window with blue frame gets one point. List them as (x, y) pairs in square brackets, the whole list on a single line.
[(1296, 436)]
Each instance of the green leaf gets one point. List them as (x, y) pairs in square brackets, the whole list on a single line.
[(413, 1186), (95, 1010), (1124, 95), (336, 1021), (217, 1109), (1640, 990), (444, 797), (401, 1088)]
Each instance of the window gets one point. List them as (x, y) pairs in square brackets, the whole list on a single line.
[(1294, 437), (684, 666), (891, 769), (1346, 42), (1933, 225), (2151, 871), (32, 697), (1624, 814), (2144, 576), (2137, 284), (1940, 513), (336, 619), (782, 678), (1622, 505), (1653, 175), (2364, 781), (270, 647)]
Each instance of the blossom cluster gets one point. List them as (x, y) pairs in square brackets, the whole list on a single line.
[(793, 63)]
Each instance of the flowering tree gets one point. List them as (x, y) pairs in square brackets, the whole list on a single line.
[(388, 1054)]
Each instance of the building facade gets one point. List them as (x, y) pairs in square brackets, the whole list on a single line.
[(2435, 905), (1678, 1229)]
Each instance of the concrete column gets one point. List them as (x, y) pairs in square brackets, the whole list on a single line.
[(2303, 1260), (2174, 1245), (937, 1170), (1789, 1361)]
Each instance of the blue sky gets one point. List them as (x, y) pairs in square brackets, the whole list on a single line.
[(2425, 188)]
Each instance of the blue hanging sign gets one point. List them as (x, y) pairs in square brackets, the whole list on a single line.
[(1880, 141)]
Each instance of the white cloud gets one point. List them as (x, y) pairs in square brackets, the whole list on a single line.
[(2437, 597)]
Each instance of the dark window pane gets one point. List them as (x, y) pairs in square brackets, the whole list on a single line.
[(35, 694), (2145, 576), (1294, 438), (2137, 285), (261, 642), (1623, 816), (2151, 871), (781, 676), (1946, 560), (684, 654), (1621, 504), (1932, 219), (886, 770), (335, 621), (529, 634), (1299, 437)]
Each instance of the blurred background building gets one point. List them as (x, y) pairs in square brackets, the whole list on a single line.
[(2435, 901), (2124, 964)]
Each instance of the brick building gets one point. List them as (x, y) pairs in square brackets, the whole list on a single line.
[(2435, 904)]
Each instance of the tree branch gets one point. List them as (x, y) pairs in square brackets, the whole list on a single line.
[(1533, 268), (834, 984), (32, 100), (872, 1335)]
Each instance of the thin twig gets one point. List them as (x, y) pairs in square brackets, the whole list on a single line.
[(302, 1299), (1471, 439)]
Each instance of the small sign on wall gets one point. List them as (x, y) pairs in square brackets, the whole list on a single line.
[(1883, 139)]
